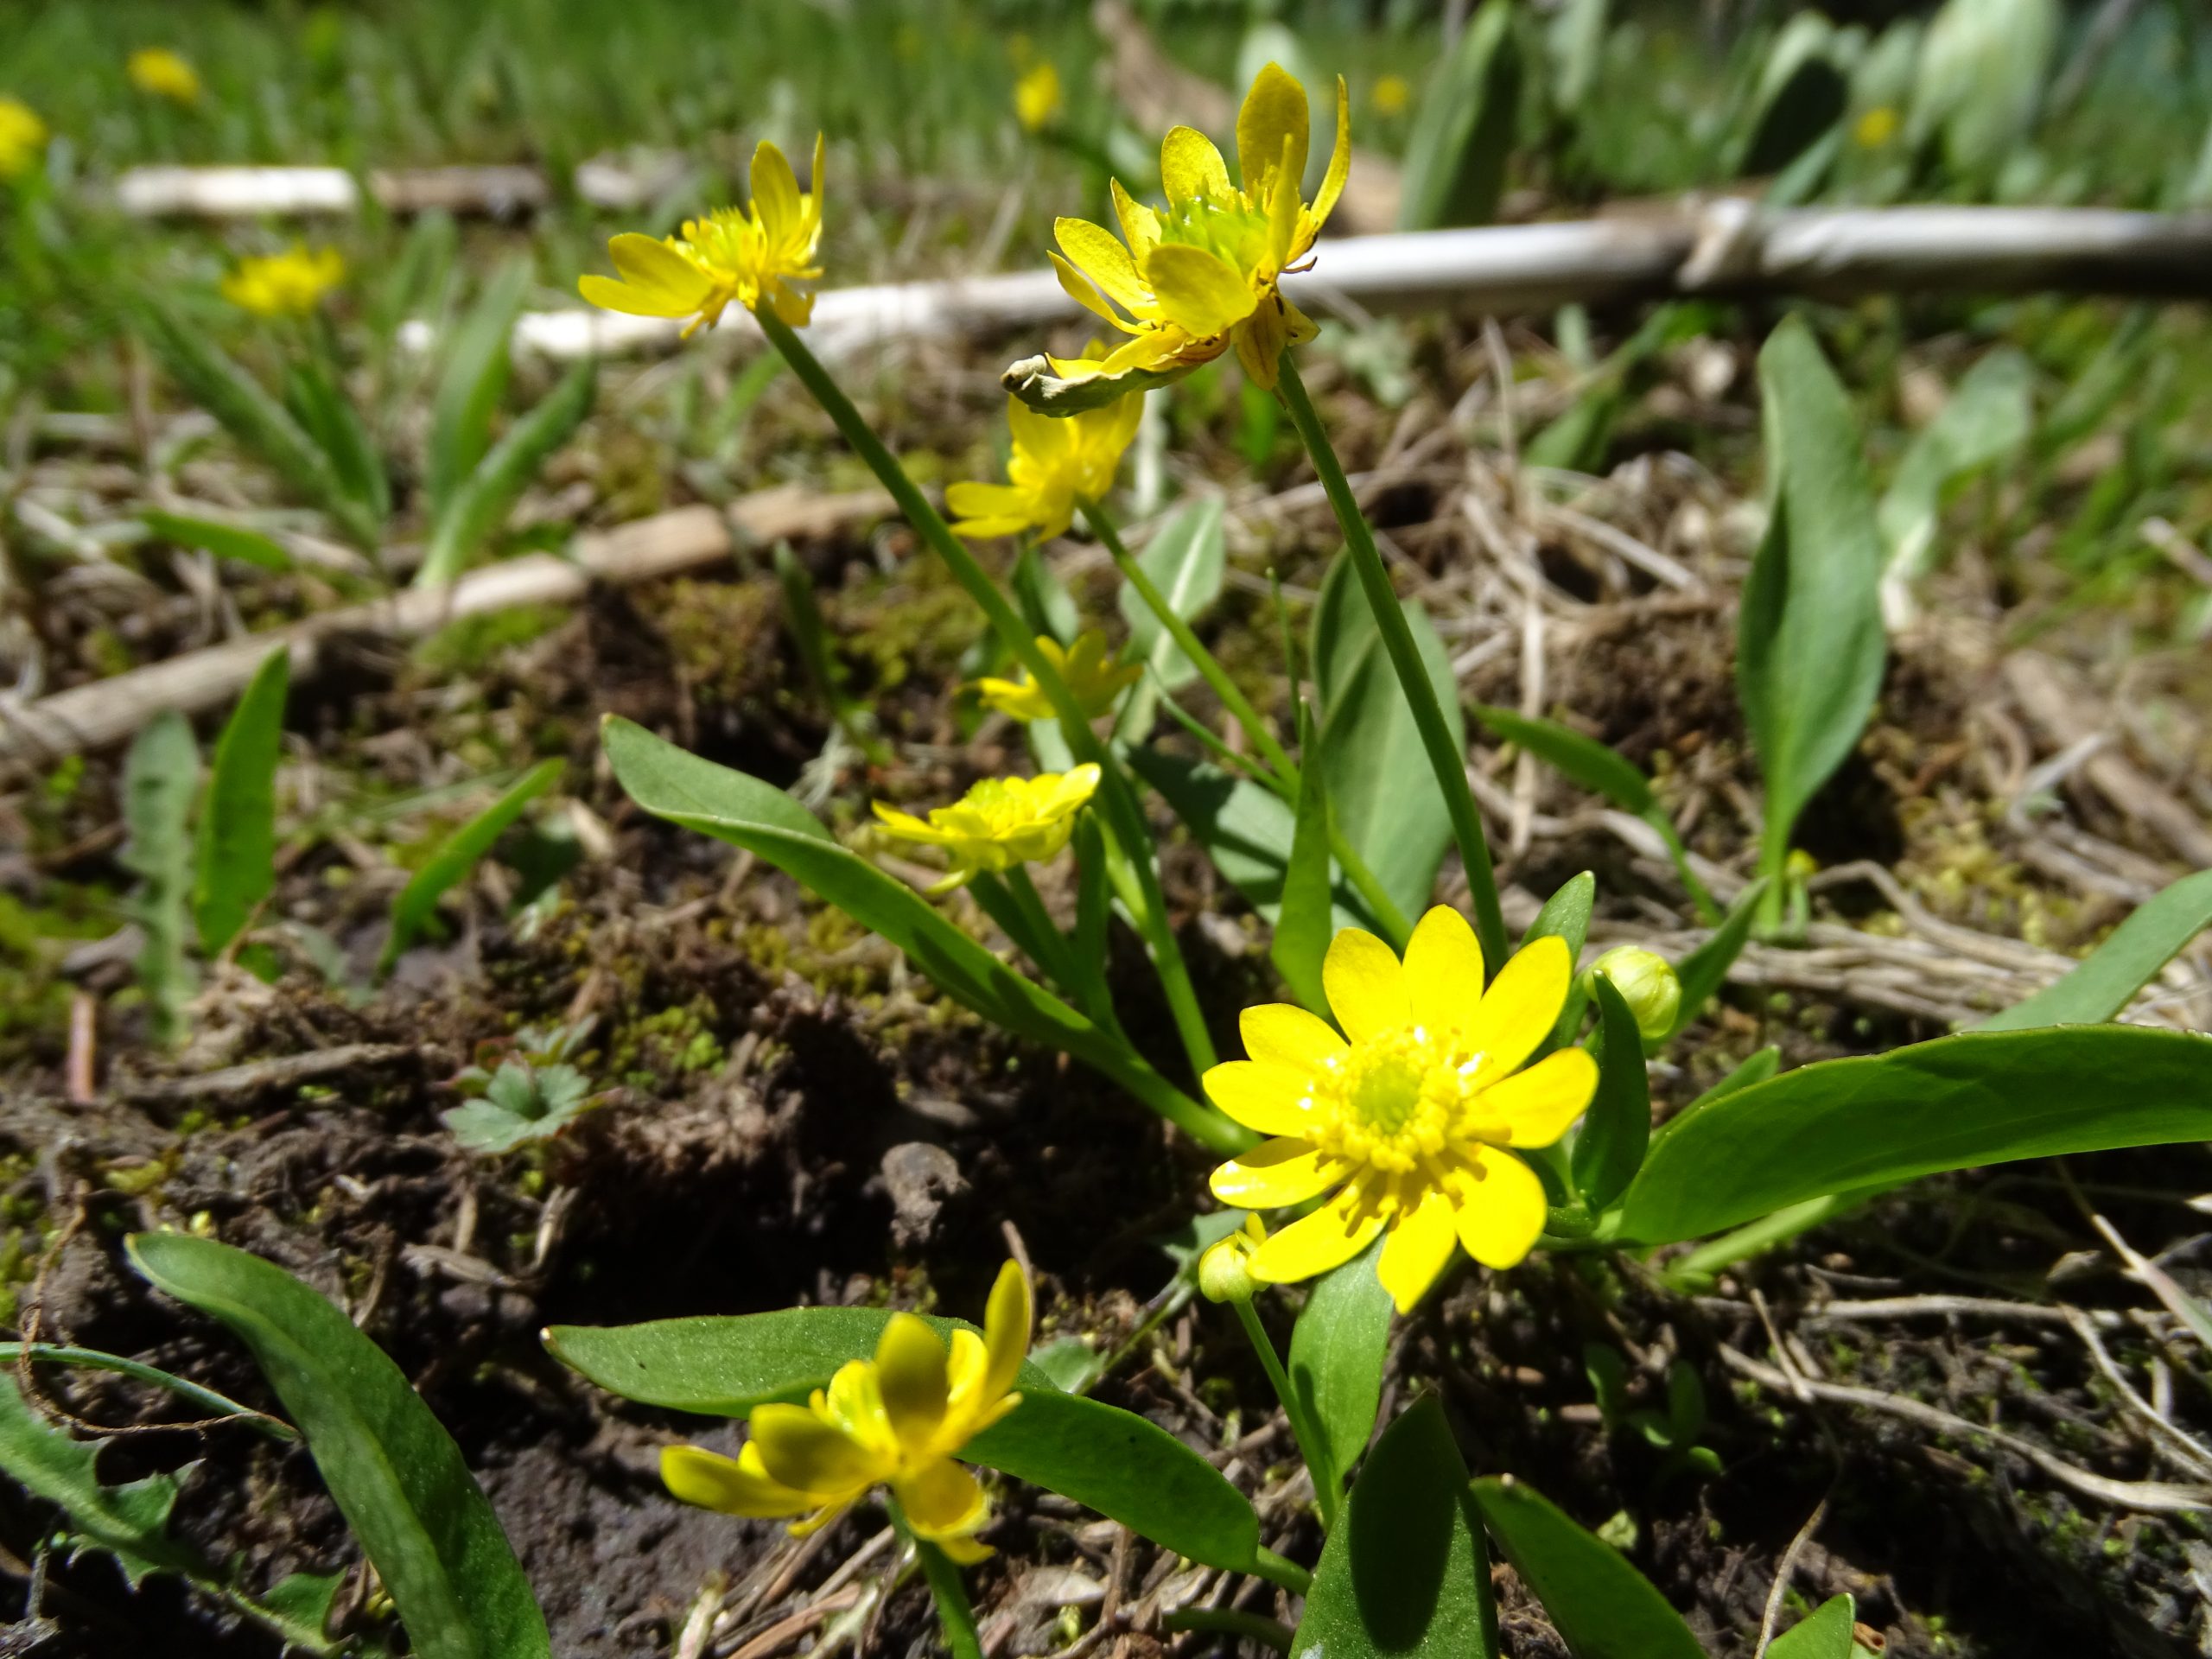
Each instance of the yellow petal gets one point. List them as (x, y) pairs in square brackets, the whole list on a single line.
[(1262, 1094), (1260, 341), (775, 190), (1501, 1207), (1540, 1104), (1095, 250), (648, 263), (1006, 1329), (909, 826), (1333, 181), (1284, 1171), (1521, 1004), (1084, 292), (1419, 1245), (1365, 986), (1200, 292), (910, 1370), (1444, 971), (1281, 1033), (945, 1504), (798, 1450), (693, 1475), (1190, 166), (1140, 225), (1273, 110), (1329, 1238), (970, 499)]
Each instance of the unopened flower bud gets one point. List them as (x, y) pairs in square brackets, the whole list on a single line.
[(1225, 1269), (1647, 983)]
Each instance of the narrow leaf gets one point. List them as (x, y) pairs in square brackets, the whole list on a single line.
[(1826, 1634), (130, 1521), (474, 381), (1602, 1607), (1618, 1126), (1989, 415), (1305, 924), (1584, 760), (1464, 128), (479, 506), (161, 775), (238, 824), (1047, 610), (224, 541), (325, 414), (1405, 1572), (1704, 969), (1337, 1350), (1565, 915), (2109, 976), (1839, 1126), (457, 856), (394, 1472), (1185, 559)]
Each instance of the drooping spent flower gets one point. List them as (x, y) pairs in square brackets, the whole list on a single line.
[(1414, 1120), (761, 255), (898, 1420), (22, 137), (1055, 465), (1092, 677), (1187, 283), (159, 73), (1000, 822), (288, 285)]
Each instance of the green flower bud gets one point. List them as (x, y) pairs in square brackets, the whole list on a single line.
[(1225, 1269), (1647, 983)]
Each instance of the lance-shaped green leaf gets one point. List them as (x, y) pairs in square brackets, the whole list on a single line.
[(1989, 415), (1337, 1350), (1306, 923), (393, 1471), (1843, 1125), (1405, 1572), (1618, 1126), (1186, 559), (238, 824), (324, 413), (475, 380), (1826, 1634), (1565, 915), (1809, 641), (476, 509), (130, 1521), (2109, 976), (1602, 1607), (160, 775), (224, 541), (456, 856), (1463, 129), (1704, 970)]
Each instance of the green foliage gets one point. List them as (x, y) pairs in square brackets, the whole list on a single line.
[(130, 1521), (522, 1104), (1989, 415), (1825, 1635), (1705, 969), (2108, 980), (238, 822), (1602, 1607), (1185, 559), (1983, 64), (1464, 128), (394, 1473), (1842, 1126), (1303, 926), (1809, 642), (456, 856), (224, 541), (480, 503), (319, 405), (160, 775), (1405, 1571), (474, 382), (1618, 1126), (1337, 1350)]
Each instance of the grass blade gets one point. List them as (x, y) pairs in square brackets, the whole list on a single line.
[(456, 857)]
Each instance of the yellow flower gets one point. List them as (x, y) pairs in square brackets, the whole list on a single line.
[(159, 73), (1411, 1120), (761, 254), (22, 136), (288, 285), (1000, 822), (1092, 676), (1392, 95), (1056, 463), (1200, 276), (1036, 97), (1875, 128), (894, 1420)]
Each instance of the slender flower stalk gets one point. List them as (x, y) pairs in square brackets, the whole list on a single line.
[(1445, 754)]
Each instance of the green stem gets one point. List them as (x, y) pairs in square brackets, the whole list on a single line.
[(953, 1612), (1444, 753), (1117, 800), (1253, 1627), (216, 1405), (1327, 1489), (1266, 1563)]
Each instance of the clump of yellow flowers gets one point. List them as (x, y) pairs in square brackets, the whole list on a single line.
[(762, 255), (287, 285), (1414, 1120), (159, 73), (22, 136), (1056, 464), (1189, 283), (1093, 678), (895, 1420), (1000, 824)]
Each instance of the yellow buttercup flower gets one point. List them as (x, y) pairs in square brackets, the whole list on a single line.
[(1393, 95), (22, 136), (1055, 464), (159, 73), (1188, 282), (1412, 1119), (1875, 127), (1092, 677), (1036, 97), (1000, 822), (761, 254), (896, 1420), (288, 285)]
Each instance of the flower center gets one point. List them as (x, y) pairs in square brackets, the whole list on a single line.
[(1392, 1100), (1233, 229)]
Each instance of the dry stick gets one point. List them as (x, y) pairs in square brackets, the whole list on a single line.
[(109, 711), (1789, 1565)]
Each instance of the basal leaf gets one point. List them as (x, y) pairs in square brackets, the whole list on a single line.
[(224, 541), (1584, 760), (1565, 915), (2109, 976), (1989, 415), (130, 1521), (1337, 1350), (457, 856), (160, 775), (393, 1471), (472, 383), (476, 509), (238, 822), (1841, 1126), (1305, 924), (1704, 969), (1185, 559), (1618, 1126), (1404, 1573), (1826, 1634), (1602, 1607), (1464, 127)]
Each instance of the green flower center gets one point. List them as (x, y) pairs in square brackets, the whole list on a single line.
[(1232, 229), (1393, 1101)]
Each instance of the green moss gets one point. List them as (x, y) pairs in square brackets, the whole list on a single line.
[(725, 636), (468, 646), (667, 1045)]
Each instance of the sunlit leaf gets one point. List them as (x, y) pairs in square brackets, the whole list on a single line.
[(1602, 1607)]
